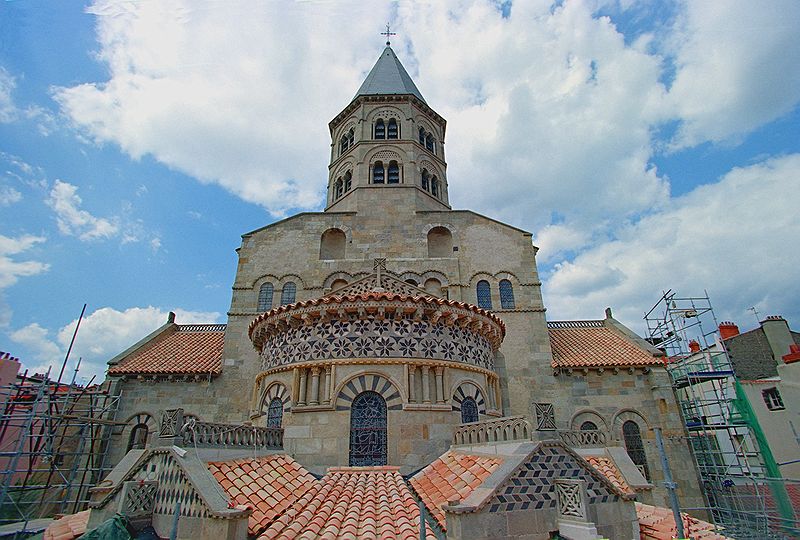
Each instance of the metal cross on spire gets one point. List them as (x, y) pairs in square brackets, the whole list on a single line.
[(388, 34)]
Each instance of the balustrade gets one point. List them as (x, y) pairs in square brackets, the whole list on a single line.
[(510, 428), (207, 434), (584, 438)]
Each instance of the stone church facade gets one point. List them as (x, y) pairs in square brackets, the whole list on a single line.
[(389, 327)]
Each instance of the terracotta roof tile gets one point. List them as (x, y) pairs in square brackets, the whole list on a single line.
[(657, 523), (268, 484), (68, 527), (608, 468), (352, 502), (451, 476), (189, 349), (595, 345)]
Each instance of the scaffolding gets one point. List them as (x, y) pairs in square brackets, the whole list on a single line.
[(741, 484), (53, 441)]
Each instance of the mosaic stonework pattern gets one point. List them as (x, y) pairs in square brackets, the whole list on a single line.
[(374, 338), (279, 391), (369, 383), (533, 486), (467, 390), (173, 486)]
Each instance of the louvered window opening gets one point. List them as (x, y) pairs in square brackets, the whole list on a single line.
[(394, 173), (380, 130), (377, 173), (368, 430), (392, 130)]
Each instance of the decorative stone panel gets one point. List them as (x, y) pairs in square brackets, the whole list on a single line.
[(533, 485), (171, 423), (571, 503), (138, 499), (545, 416), (374, 338)]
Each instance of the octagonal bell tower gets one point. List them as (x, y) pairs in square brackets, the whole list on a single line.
[(387, 146)]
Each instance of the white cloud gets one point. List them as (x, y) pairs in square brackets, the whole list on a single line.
[(10, 269), (737, 67), (8, 111), (102, 335), (735, 238), (73, 221), (9, 196)]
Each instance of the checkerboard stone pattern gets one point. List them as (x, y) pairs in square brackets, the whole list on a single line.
[(533, 486)]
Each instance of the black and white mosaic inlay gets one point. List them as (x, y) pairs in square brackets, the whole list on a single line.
[(377, 338)]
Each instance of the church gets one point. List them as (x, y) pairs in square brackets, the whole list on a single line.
[(387, 370)]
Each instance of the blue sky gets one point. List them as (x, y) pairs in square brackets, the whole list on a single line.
[(647, 145)]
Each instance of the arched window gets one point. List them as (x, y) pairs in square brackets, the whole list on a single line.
[(469, 410), (484, 295), (588, 426), (377, 173), (337, 191), (380, 129), (394, 173), (288, 293), (348, 181), (635, 447), (351, 137), (435, 186), (343, 145), (429, 142), (275, 413), (426, 180), (412, 282), (138, 438), (392, 131), (265, 297), (433, 286), (332, 244), (368, 430), (506, 294), (440, 242), (422, 136), (338, 284)]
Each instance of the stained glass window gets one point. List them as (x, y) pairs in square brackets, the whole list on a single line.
[(506, 294), (484, 295), (635, 447), (368, 430), (469, 410), (275, 413), (265, 297), (289, 293), (588, 426)]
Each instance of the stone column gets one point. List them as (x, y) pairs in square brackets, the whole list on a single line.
[(490, 389), (301, 400), (426, 385), (412, 386), (328, 383), (439, 384), (314, 386)]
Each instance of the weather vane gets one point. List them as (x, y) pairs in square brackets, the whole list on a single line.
[(388, 34)]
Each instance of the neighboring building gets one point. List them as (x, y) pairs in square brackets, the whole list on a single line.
[(379, 334)]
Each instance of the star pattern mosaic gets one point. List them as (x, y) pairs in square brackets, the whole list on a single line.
[(369, 338)]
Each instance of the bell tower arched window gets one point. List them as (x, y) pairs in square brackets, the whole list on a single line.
[(378, 173), (380, 129), (337, 191), (435, 186), (348, 181), (484, 294), (392, 130), (422, 136), (265, 297), (469, 410), (351, 137), (429, 142), (368, 430), (275, 413), (426, 180), (394, 173), (634, 446), (343, 145), (289, 293), (506, 294)]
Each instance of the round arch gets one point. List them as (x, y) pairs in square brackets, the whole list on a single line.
[(388, 389), (465, 388), (138, 419), (587, 415)]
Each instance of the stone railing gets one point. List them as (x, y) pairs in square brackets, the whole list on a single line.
[(207, 434), (584, 438), (510, 428)]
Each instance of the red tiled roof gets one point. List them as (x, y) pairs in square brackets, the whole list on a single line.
[(189, 349), (68, 527), (608, 468), (268, 484), (657, 523), (352, 503), (595, 345), (452, 476)]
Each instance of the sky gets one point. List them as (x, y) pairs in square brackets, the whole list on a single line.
[(647, 145)]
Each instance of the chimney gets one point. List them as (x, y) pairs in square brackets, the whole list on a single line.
[(727, 330), (776, 329), (171, 317), (793, 356), (608, 313), (694, 346)]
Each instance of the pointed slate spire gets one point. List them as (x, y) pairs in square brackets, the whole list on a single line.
[(388, 76)]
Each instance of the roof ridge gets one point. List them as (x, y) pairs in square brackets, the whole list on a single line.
[(587, 323)]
